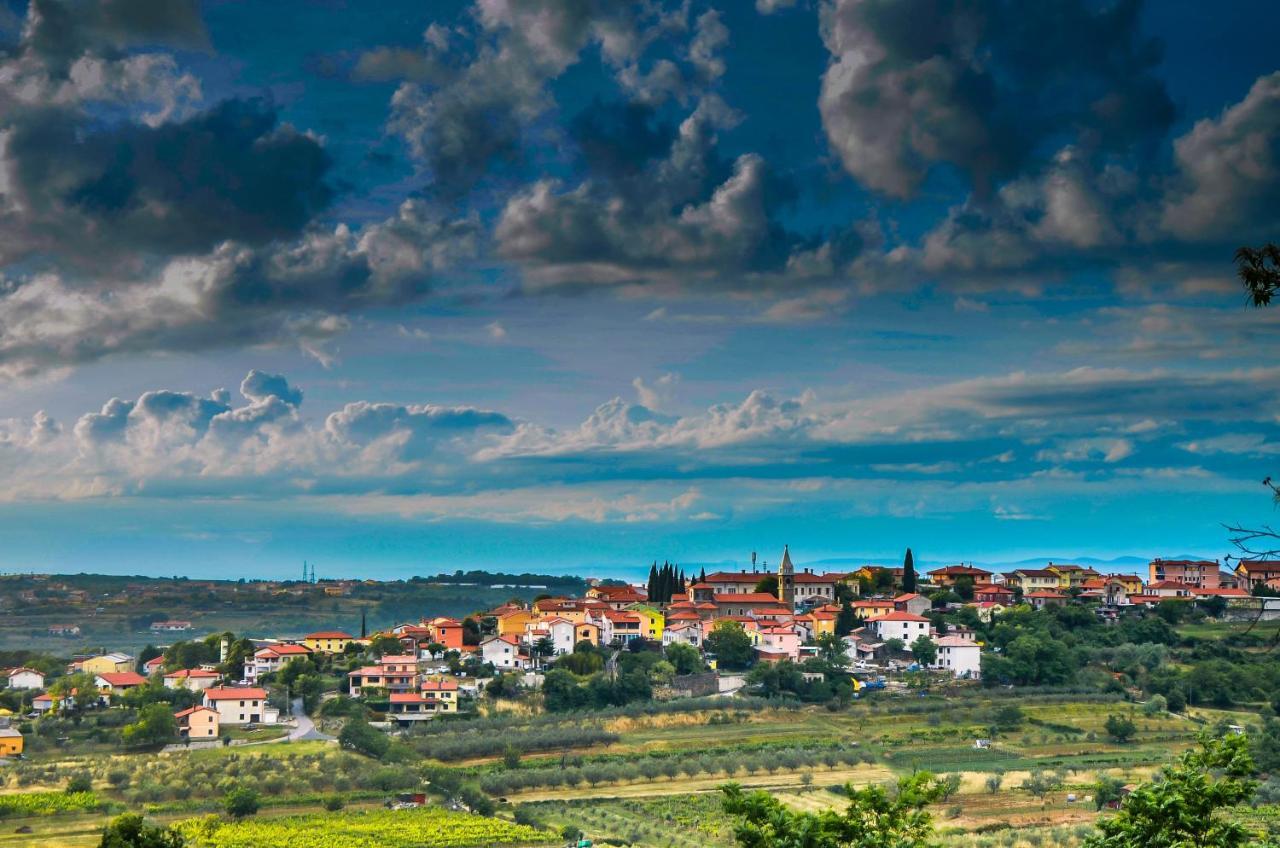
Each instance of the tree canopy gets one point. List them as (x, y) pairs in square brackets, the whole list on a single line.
[(874, 818), (1182, 806)]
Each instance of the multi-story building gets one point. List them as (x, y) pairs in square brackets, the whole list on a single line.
[(398, 673), (198, 722), (240, 705), (271, 659), (1260, 573), (949, 575), (904, 626), (1201, 573), (1032, 580), (328, 641)]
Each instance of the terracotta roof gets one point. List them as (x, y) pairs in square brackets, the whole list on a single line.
[(328, 634), (1261, 566), (123, 678), (1034, 572), (439, 685), (955, 642), (197, 708), (1221, 593), (872, 604), (961, 571), (186, 673), (908, 596), (900, 616), (1043, 595), (746, 598), (283, 650), (233, 693), (1168, 584)]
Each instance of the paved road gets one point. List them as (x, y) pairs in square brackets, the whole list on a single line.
[(306, 728)]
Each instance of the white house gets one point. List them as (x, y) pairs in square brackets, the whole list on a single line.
[(563, 632), (240, 705), (688, 632), (905, 626), (960, 656), (504, 652), (271, 659), (25, 678)]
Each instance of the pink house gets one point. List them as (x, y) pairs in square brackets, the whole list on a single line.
[(779, 642)]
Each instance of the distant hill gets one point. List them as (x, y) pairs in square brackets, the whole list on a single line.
[(1118, 565)]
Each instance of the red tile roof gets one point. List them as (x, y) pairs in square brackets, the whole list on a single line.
[(746, 598), (235, 693), (899, 616), (187, 673), (439, 686), (195, 709), (123, 678), (328, 634), (283, 650)]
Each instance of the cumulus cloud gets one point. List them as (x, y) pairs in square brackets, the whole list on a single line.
[(1228, 178), (470, 103), (980, 86), (236, 294), (1060, 428)]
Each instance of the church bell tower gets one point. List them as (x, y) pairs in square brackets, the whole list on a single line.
[(787, 579)]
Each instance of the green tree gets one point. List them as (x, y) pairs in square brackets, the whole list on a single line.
[(875, 818), (768, 584), (1120, 728), (730, 643), (382, 646), (79, 783), (1259, 270), (1040, 783), (1108, 790), (846, 619), (685, 658), (241, 802), (1182, 806), (832, 649), (909, 581), (925, 650), (361, 738), (155, 725), (132, 831)]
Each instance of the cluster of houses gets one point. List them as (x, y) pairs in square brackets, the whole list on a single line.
[(782, 624)]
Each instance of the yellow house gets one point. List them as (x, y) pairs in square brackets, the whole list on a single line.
[(107, 664), (651, 622), (819, 623), (515, 622), (10, 742), (873, 607), (1132, 583), (1071, 576), (328, 641)]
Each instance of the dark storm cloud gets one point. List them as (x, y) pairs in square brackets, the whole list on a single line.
[(230, 173), (982, 85), (60, 31)]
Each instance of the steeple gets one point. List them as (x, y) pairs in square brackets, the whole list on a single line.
[(786, 579)]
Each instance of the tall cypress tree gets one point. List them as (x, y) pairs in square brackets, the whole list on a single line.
[(702, 577), (908, 573), (653, 581)]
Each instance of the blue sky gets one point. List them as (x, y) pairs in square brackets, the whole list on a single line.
[(576, 286)]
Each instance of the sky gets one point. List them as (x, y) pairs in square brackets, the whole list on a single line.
[(577, 286)]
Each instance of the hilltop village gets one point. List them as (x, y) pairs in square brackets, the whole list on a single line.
[(881, 627)]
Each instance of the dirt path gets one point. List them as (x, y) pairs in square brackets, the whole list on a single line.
[(862, 774)]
